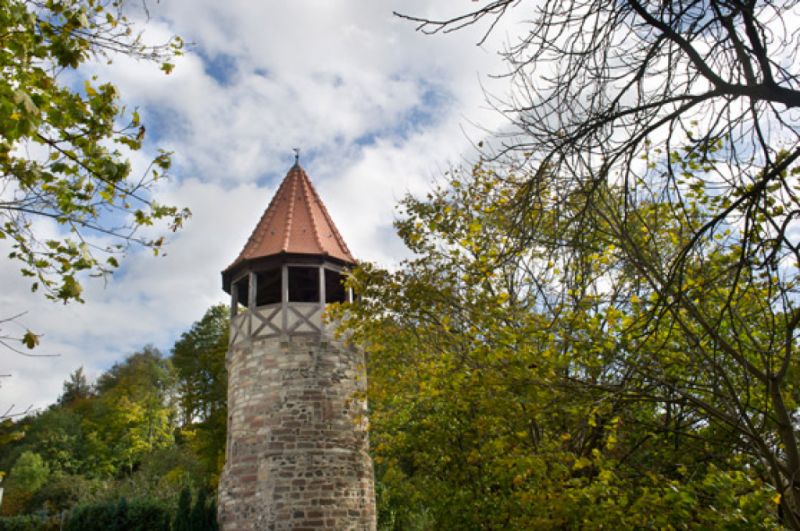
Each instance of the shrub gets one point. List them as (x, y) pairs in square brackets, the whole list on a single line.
[(29, 522), (137, 515), (204, 513), (29, 472), (64, 492), (183, 514)]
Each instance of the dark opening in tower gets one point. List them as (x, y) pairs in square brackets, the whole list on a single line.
[(268, 286), (334, 287)]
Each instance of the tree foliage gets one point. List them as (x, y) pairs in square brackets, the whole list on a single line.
[(76, 388), (199, 360), (183, 517), (532, 379), (30, 472), (641, 95), (202, 380), (143, 514), (122, 438), (64, 148), (132, 415), (642, 215)]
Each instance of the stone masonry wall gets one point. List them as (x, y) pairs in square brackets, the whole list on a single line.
[(297, 438)]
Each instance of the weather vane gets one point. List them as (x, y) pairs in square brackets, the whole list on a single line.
[(296, 155)]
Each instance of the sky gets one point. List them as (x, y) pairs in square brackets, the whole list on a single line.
[(377, 109)]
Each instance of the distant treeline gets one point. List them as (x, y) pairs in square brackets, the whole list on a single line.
[(134, 445)]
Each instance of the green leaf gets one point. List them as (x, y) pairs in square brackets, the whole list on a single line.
[(30, 339)]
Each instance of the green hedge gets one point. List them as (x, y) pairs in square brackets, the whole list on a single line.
[(138, 515), (28, 522)]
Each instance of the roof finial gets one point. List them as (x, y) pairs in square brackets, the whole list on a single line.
[(296, 156)]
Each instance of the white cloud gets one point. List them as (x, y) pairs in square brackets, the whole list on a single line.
[(377, 108)]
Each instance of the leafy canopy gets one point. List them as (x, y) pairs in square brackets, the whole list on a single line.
[(523, 374), (648, 191), (64, 148)]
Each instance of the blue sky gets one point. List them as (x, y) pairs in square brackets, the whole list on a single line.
[(378, 110)]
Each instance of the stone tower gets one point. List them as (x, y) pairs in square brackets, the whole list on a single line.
[(297, 444)]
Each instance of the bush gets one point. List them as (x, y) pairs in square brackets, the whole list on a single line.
[(198, 516), (65, 492), (137, 515), (28, 522), (15, 501), (204, 513), (182, 520), (29, 472)]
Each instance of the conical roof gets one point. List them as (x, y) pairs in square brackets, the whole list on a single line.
[(295, 222)]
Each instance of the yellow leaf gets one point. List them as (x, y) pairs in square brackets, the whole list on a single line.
[(583, 462), (30, 339), (90, 91)]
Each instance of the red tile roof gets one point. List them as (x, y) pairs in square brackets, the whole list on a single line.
[(295, 221)]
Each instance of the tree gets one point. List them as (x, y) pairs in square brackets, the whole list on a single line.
[(121, 517), (63, 150), (598, 86), (202, 381), (506, 381), (183, 521), (28, 475), (658, 133), (203, 516), (718, 342), (122, 439), (30, 472), (199, 360), (57, 435), (76, 388), (133, 414)]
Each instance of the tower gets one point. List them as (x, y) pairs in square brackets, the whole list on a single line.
[(296, 454)]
